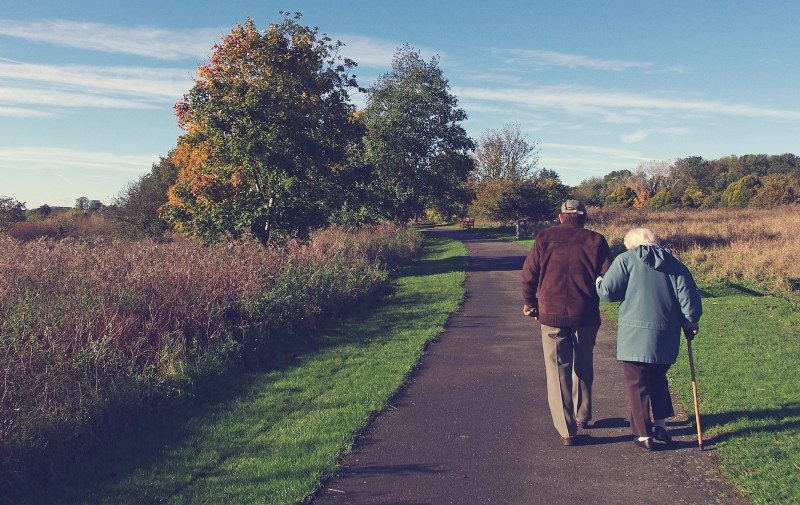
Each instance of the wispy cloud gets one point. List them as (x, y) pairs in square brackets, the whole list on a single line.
[(21, 112), (49, 158), (585, 100), (367, 51), (86, 86), (143, 41), (638, 136), (552, 58), (575, 162)]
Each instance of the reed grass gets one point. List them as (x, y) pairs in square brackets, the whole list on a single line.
[(756, 246), (91, 332)]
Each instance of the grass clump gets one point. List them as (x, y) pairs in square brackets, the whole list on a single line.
[(272, 437)]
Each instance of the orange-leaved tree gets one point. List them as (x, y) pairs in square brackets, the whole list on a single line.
[(269, 126)]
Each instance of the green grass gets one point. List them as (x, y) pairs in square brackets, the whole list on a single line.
[(747, 358), (272, 437)]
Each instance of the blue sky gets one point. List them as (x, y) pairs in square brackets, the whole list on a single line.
[(87, 87)]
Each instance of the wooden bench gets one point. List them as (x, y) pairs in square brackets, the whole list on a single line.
[(467, 222)]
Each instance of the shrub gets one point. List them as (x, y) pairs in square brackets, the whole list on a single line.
[(31, 230), (776, 189), (623, 196), (661, 201), (739, 193)]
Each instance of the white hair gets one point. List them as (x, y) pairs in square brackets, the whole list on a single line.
[(639, 236)]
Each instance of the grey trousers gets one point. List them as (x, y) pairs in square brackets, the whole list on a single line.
[(568, 363)]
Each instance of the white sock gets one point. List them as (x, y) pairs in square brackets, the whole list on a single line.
[(661, 423), (642, 439)]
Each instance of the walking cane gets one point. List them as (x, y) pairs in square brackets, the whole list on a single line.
[(689, 337)]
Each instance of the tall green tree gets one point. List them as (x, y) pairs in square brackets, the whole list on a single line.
[(414, 138), (269, 126)]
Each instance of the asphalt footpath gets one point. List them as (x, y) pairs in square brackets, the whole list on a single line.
[(472, 425)]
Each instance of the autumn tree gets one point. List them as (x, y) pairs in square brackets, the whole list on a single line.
[(692, 196), (268, 129), (623, 196), (739, 193), (775, 189), (414, 139)]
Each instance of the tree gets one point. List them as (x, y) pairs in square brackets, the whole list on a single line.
[(623, 196), (269, 127), (661, 200), (776, 189), (692, 196), (590, 191), (11, 211), (414, 140), (509, 200), (505, 154), (136, 207), (739, 193)]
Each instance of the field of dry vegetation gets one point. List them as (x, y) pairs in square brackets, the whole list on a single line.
[(91, 332), (758, 246)]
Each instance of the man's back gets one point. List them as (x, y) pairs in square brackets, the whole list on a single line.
[(559, 274)]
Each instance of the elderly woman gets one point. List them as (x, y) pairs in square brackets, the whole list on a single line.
[(659, 297)]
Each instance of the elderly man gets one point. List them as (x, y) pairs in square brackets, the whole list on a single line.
[(558, 285)]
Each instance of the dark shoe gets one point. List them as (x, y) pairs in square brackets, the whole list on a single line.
[(645, 444), (584, 425), (662, 435)]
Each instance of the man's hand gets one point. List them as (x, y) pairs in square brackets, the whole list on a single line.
[(530, 311), (690, 330)]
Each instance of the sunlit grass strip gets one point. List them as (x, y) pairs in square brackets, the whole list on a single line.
[(276, 439)]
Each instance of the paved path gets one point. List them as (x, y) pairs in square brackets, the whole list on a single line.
[(473, 426)]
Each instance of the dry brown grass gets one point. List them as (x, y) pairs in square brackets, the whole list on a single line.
[(751, 245), (90, 326)]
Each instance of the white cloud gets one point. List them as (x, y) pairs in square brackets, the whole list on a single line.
[(632, 138), (60, 99), (367, 51), (49, 158), (638, 136), (538, 57), (20, 112), (585, 100), (87, 86), (158, 43)]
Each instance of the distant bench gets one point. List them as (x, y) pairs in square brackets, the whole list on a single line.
[(468, 222)]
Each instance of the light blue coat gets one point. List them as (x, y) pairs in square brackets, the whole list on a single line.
[(659, 297)]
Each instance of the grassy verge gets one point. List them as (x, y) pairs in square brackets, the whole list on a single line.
[(271, 437), (747, 358)]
